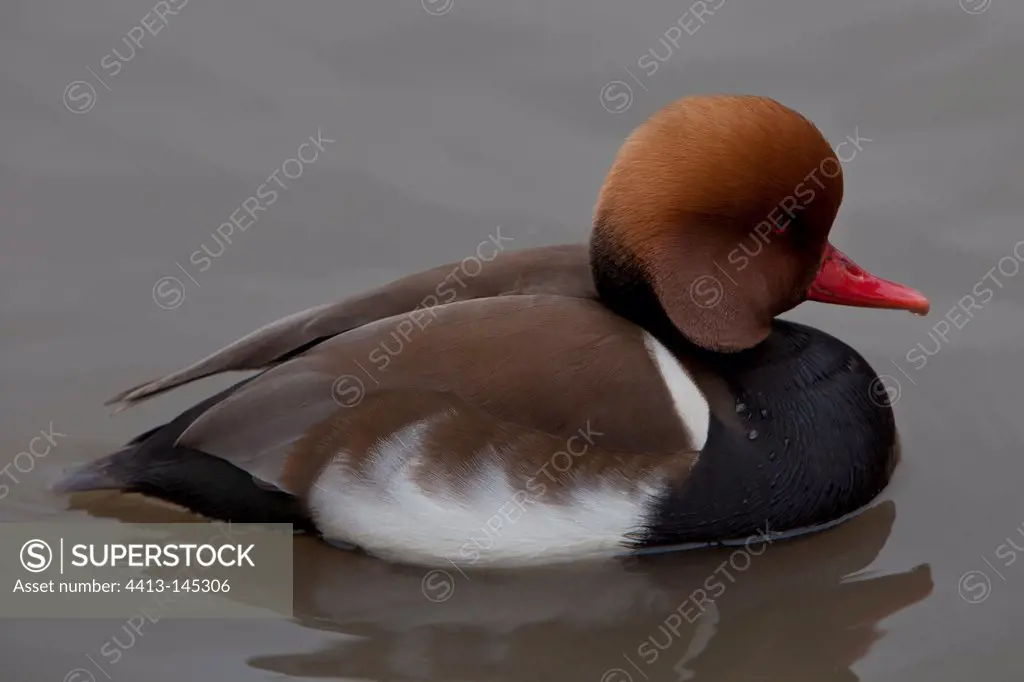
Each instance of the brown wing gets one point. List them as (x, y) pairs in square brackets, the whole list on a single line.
[(559, 270), (520, 374)]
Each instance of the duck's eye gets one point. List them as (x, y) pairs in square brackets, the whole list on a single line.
[(787, 221), (781, 224)]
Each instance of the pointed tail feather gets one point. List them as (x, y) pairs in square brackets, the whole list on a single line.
[(153, 465), (91, 476), (202, 483)]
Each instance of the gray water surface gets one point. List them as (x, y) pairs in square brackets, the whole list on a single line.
[(448, 118)]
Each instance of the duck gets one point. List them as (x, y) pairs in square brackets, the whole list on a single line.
[(583, 401)]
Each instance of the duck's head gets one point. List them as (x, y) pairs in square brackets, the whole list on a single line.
[(716, 214)]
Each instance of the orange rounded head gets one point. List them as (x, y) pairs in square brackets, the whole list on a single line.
[(720, 208)]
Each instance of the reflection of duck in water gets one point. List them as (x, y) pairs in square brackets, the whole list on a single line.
[(787, 614), (671, 405)]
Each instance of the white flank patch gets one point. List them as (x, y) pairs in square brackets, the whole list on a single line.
[(690, 403), (490, 524)]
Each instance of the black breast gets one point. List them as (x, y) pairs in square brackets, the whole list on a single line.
[(813, 439)]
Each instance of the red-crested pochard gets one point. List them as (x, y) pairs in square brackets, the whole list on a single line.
[(568, 403)]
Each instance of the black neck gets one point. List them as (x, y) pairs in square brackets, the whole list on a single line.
[(624, 287)]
